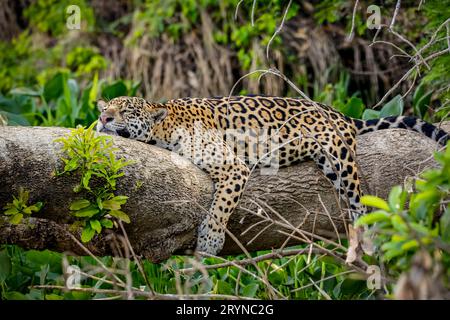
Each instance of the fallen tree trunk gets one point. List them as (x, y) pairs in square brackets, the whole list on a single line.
[(168, 195)]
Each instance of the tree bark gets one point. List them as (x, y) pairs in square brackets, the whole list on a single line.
[(168, 195)]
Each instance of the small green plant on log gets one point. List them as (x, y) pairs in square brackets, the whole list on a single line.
[(19, 207), (93, 158)]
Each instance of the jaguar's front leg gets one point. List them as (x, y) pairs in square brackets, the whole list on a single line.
[(229, 181)]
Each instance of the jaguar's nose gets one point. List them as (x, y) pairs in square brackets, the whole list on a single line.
[(104, 118)]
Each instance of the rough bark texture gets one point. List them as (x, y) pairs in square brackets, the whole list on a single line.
[(169, 195)]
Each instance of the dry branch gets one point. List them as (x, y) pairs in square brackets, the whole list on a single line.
[(169, 195)]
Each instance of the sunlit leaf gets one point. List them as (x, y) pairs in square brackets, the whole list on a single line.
[(79, 204), (120, 215)]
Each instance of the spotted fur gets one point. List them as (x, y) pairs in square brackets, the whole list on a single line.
[(305, 131)]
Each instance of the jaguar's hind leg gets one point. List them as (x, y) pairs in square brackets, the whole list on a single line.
[(341, 169)]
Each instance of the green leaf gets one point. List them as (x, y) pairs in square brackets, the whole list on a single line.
[(107, 223), (250, 290), (25, 92), (16, 219), (86, 212), (11, 211), (14, 295), (372, 201), (15, 119), (370, 114), (393, 108), (36, 207), (26, 210), (424, 203), (17, 203), (114, 90), (95, 224), (120, 215), (397, 198), (353, 108), (80, 295), (54, 88), (399, 224), (372, 218), (99, 203), (411, 244), (71, 165), (111, 205), (120, 199), (421, 100), (79, 204), (223, 287), (86, 178), (87, 234), (422, 230), (418, 93), (445, 225), (5, 265)]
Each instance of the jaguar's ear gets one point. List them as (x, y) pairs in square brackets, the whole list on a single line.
[(159, 114), (101, 104)]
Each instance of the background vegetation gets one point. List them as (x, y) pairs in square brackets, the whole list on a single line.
[(52, 76)]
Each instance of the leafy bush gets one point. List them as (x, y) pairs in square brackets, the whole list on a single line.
[(401, 230), (93, 158), (60, 101), (50, 16)]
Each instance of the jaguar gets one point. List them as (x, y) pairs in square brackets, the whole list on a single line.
[(230, 136)]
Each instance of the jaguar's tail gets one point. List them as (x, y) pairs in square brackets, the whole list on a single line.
[(410, 123)]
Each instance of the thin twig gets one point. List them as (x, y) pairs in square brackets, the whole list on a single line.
[(397, 8), (350, 35), (237, 9), (253, 13), (278, 30), (277, 254)]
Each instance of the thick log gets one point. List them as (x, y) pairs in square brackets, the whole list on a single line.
[(168, 195)]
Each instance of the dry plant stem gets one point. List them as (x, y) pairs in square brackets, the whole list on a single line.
[(392, 45), (105, 268), (278, 30), (331, 220), (412, 46), (397, 8), (277, 254), (323, 279), (339, 257), (252, 262), (289, 226), (136, 259), (323, 293), (448, 35), (350, 35), (237, 9), (433, 37), (407, 74), (253, 13)]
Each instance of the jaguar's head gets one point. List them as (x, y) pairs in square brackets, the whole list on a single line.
[(129, 117)]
